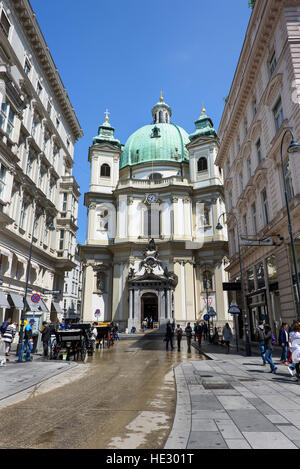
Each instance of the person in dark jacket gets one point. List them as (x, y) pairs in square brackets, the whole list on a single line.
[(46, 335), (4, 326), (269, 347), (28, 342), (260, 337), (169, 336), (189, 334), (283, 341)]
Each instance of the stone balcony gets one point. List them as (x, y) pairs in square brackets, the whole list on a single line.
[(154, 183)]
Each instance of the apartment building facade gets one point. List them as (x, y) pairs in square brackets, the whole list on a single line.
[(262, 105), (38, 193)]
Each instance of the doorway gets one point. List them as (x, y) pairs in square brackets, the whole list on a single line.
[(149, 303)]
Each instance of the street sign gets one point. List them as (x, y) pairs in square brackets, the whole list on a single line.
[(52, 292), (97, 312), (206, 317), (212, 313), (231, 286), (234, 309), (35, 298)]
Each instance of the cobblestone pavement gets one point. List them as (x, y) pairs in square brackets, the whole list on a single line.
[(233, 401)]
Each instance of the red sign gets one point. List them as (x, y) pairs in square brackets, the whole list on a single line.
[(35, 298)]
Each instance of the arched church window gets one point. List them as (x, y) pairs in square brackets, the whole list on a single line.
[(155, 176), (202, 164), (207, 280), (161, 118), (105, 170)]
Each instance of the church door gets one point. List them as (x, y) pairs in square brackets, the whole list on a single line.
[(149, 305)]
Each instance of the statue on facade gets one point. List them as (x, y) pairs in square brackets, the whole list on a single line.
[(151, 245)]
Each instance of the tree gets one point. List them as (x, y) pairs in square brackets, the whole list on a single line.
[(251, 3)]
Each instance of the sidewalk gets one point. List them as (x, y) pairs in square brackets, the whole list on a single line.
[(232, 401)]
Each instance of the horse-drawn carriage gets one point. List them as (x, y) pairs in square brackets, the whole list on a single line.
[(75, 343), (105, 336)]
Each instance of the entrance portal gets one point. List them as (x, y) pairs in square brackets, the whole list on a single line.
[(149, 304)]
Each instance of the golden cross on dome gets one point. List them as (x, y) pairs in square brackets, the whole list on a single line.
[(161, 96), (106, 115), (203, 112)]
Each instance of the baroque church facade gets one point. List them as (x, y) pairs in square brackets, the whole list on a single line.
[(151, 244)]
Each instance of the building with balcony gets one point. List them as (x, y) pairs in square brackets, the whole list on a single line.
[(38, 131), (151, 245), (262, 105)]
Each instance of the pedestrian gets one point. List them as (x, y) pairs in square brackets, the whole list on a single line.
[(268, 338), (173, 326), (215, 337), (283, 341), (199, 333), (116, 331), (46, 336), (178, 332), (294, 338), (28, 342), (194, 330), (144, 324), (8, 337), (189, 335), (227, 336), (4, 326), (169, 336), (260, 337)]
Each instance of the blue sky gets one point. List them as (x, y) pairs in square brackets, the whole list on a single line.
[(119, 55)]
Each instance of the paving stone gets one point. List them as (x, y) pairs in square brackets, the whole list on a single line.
[(262, 406), (235, 402), (251, 421), (276, 418), (228, 429), (292, 432), (206, 440), (238, 444), (210, 414), (264, 440), (207, 402), (204, 425)]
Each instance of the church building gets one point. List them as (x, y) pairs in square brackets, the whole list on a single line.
[(151, 248)]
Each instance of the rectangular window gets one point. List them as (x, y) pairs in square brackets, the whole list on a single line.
[(258, 150), (250, 280), (65, 200), (3, 171), (23, 213), (272, 64), (7, 118), (278, 114), (265, 206), (245, 226), (4, 23), (39, 88), (260, 275), (254, 218), (249, 170), (61, 239), (27, 67), (29, 165)]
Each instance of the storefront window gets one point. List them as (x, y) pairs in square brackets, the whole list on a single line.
[(260, 275), (250, 280)]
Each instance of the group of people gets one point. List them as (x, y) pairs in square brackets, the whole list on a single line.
[(173, 330), (147, 323), (288, 339)]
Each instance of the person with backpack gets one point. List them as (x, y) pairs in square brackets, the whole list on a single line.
[(283, 341), (260, 337), (269, 340), (189, 335), (169, 336), (198, 333), (28, 342)]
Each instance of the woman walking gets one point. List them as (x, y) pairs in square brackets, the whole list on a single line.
[(8, 337), (227, 336), (295, 349), (269, 348), (178, 332)]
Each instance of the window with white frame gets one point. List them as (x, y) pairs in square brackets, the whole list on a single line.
[(39, 88), (27, 66), (61, 239), (23, 214), (265, 206), (64, 201), (272, 63), (29, 166), (4, 23), (7, 118), (3, 172), (278, 114), (254, 217), (258, 151)]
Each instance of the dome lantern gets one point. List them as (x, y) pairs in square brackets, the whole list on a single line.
[(161, 112)]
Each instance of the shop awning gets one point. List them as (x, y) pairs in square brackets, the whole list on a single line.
[(57, 307), (3, 300), (17, 300), (42, 306)]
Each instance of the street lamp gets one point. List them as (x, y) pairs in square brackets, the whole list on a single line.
[(246, 325), (294, 147), (51, 227)]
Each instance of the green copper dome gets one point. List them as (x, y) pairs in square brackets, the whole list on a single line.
[(154, 143)]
